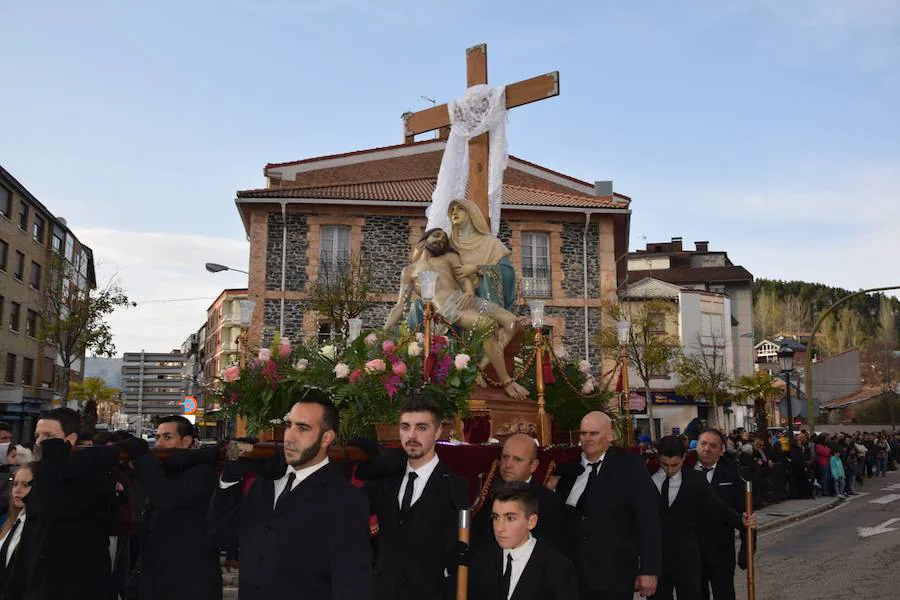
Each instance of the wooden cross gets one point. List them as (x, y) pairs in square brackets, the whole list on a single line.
[(438, 117)]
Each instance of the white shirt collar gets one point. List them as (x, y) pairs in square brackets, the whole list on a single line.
[(522, 551), (585, 462), (301, 474), (425, 471)]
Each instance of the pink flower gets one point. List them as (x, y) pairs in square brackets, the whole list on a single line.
[(588, 386), (420, 337), (399, 369), (388, 346), (232, 373), (461, 362), (376, 365), (392, 385), (584, 366), (284, 348), (265, 354), (301, 364), (371, 339), (414, 349), (355, 376), (341, 370)]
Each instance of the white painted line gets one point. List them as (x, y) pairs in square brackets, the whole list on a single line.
[(885, 499), (865, 532)]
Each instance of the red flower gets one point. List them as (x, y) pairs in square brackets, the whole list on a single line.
[(355, 376)]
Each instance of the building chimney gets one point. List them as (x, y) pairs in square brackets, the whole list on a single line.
[(676, 244), (702, 246), (603, 188)]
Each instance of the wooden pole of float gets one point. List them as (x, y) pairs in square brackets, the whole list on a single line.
[(462, 572), (748, 544)]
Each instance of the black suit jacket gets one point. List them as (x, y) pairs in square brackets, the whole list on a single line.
[(173, 528), (696, 502), (548, 575), (415, 549), (617, 535), (717, 535), (550, 518), (315, 544), (64, 550)]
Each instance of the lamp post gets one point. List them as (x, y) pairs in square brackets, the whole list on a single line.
[(537, 323), (786, 359), (623, 332), (217, 268), (427, 283)]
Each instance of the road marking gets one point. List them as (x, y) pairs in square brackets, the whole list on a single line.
[(865, 532), (885, 499), (891, 488)]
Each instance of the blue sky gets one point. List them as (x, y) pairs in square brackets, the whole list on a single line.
[(768, 128)]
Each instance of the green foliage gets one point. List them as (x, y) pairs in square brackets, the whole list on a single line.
[(759, 388), (568, 400), (884, 411)]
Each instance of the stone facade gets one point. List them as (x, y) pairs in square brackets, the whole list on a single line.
[(572, 253), (297, 246), (385, 251)]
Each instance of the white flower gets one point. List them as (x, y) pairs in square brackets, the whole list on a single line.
[(420, 337), (584, 366), (461, 362), (341, 370), (301, 364), (588, 386), (264, 355), (561, 353), (371, 339), (414, 349), (328, 351)]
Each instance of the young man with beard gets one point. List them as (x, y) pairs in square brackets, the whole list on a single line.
[(518, 565), (612, 531), (716, 535), (303, 533), (518, 462), (173, 526), (64, 551), (417, 511)]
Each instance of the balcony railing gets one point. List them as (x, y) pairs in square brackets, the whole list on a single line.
[(536, 284)]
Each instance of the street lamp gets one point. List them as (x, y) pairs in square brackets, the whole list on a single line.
[(786, 360), (217, 268), (537, 322), (623, 332)]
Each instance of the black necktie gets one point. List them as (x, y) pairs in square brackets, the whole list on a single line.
[(287, 489), (707, 469), (507, 578), (591, 477), (664, 492), (5, 548), (408, 492)]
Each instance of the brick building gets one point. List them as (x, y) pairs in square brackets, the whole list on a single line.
[(223, 328), (565, 236), (32, 242)]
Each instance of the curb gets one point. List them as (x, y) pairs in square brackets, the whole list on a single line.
[(801, 516)]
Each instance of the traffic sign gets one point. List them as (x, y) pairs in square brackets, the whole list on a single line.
[(190, 405)]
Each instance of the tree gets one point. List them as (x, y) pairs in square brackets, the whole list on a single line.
[(842, 332), (706, 373), (760, 388), (650, 349), (797, 317), (768, 314), (74, 317), (94, 392), (342, 291)]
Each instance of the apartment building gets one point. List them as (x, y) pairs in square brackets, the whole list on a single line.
[(224, 325), (153, 385), (35, 246)]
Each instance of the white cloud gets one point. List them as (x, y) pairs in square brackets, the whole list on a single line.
[(155, 268)]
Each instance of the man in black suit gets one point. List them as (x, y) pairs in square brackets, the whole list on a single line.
[(519, 566), (305, 533), (64, 551), (612, 531), (518, 462), (173, 527), (716, 535), (685, 498), (417, 511)]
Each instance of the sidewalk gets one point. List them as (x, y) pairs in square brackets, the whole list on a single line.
[(789, 511)]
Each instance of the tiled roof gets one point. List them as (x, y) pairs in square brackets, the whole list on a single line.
[(420, 190), (863, 395), (683, 275)]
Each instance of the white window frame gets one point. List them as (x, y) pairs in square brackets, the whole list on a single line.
[(333, 253), (536, 278)]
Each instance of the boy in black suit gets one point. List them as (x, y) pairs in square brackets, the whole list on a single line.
[(418, 514), (685, 498), (518, 566)]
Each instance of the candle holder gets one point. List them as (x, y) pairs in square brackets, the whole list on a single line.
[(623, 332), (355, 329), (537, 322), (427, 284)]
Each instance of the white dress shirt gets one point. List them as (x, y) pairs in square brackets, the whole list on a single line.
[(299, 475), (582, 480), (674, 484), (422, 475), (16, 538), (520, 558), (709, 474)]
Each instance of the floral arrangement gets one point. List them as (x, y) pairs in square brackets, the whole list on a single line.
[(368, 379)]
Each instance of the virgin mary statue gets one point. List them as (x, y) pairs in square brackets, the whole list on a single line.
[(483, 255)]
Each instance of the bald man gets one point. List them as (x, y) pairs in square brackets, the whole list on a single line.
[(612, 530), (518, 462)]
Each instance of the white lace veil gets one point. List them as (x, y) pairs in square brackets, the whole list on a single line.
[(482, 109)]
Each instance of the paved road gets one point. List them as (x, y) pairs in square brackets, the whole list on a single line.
[(834, 554)]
